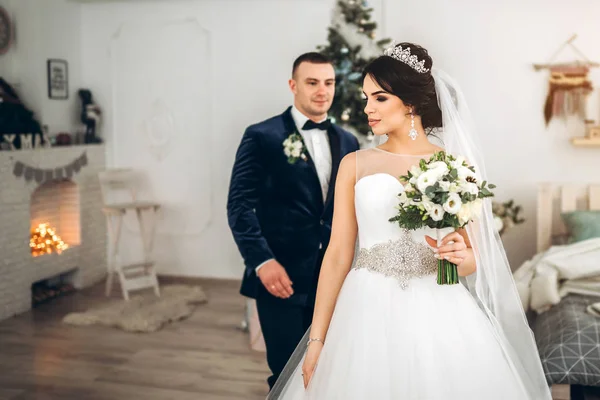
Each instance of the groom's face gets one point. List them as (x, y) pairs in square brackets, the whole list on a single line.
[(313, 86)]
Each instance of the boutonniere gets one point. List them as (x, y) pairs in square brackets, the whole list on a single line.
[(294, 148)]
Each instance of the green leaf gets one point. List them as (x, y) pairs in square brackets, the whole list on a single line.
[(430, 191), (444, 197), (453, 174)]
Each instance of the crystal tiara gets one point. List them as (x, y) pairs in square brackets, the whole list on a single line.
[(403, 55)]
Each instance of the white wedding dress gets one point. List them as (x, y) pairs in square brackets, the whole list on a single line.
[(395, 333)]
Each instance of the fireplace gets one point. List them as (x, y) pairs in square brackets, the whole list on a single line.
[(66, 197), (55, 217), (47, 290)]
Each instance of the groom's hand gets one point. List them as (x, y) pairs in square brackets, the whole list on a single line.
[(275, 279)]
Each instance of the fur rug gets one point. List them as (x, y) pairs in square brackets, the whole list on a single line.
[(143, 312)]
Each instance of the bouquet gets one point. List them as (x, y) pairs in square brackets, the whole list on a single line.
[(443, 192)]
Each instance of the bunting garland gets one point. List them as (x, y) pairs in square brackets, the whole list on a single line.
[(41, 175)]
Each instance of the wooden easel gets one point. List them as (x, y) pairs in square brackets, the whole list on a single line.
[(138, 275)]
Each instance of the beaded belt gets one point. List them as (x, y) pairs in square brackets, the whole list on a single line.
[(403, 259)]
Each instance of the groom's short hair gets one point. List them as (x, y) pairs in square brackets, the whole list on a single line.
[(311, 57)]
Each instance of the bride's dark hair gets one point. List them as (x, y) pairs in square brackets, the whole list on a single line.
[(413, 88)]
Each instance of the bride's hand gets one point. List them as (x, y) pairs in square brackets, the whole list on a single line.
[(310, 361), (454, 252)]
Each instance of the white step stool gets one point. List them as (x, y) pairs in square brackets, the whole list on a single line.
[(137, 275)]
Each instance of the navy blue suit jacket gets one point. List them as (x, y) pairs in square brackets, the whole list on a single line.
[(275, 209)]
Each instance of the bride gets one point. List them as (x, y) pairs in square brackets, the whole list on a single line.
[(383, 328)]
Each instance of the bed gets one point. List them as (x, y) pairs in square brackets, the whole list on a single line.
[(567, 337)]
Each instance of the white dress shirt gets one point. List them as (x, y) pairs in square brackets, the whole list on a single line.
[(317, 145)]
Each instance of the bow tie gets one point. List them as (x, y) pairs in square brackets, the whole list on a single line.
[(313, 125)]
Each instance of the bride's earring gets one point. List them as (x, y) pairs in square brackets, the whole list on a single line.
[(413, 132)]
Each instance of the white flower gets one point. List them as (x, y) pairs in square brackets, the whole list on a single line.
[(415, 171), (476, 207), (453, 204), (469, 187), (465, 213), (427, 203), (403, 198), (437, 164), (458, 162), (453, 188), (439, 168), (445, 186), (437, 212), (498, 223), (425, 180), (470, 210), (293, 148), (464, 173)]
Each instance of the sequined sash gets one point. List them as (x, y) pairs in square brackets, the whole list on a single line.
[(403, 259)]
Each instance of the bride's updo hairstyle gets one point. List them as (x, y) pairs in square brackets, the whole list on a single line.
[(409, 79)]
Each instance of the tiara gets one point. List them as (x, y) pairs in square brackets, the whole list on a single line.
[(403, 55)]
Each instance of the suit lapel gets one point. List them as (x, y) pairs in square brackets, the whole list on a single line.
[(335, 148), (334, 135), (290, 127)]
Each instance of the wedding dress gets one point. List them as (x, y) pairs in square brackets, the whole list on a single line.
[(395, 333)]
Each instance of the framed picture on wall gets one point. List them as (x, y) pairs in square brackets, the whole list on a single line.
[(58, 79)]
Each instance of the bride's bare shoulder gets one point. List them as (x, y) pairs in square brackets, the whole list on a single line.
[(348, 162)]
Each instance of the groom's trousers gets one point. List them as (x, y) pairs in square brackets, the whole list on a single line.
[(283, 324)]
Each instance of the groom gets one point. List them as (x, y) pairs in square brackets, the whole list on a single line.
[(280, 205)]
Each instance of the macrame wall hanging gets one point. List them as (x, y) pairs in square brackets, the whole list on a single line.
[(569, 85)]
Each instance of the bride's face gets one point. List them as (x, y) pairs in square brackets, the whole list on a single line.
[(386, 112)]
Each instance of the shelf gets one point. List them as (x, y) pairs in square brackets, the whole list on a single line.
[(585, 142)]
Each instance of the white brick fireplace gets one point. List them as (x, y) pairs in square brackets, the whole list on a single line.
[(58, 186)]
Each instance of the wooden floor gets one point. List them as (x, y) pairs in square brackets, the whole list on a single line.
[(204, 357)]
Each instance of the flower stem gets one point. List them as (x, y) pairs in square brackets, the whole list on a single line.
[(447, 273)]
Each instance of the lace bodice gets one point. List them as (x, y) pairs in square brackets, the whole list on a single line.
[(384, 246)]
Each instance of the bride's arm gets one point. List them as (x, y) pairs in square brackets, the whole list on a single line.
[(340, 252)]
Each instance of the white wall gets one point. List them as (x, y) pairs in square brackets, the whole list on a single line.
[(179, 81), (489, 47), (44, 29), (246, 51)]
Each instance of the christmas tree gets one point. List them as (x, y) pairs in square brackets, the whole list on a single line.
[(351, 47)]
